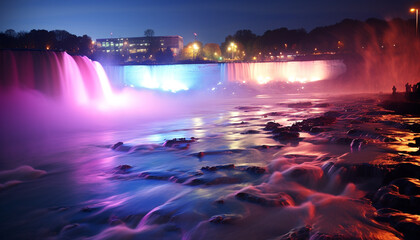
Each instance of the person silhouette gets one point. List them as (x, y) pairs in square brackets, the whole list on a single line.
[(394, 90)]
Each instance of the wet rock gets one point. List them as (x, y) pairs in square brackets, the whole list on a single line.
[(332, 114), (341, 140), (407, 186), (356, 173), (416, 143), (269, 200), (270, 126), (255, 170), (413, 127), (316, 130), (274, 114), (74, 231), (403, 170), (302, 233), (248, 108), (224, 218), (218, 167), (354, 132), (407, 224), (322, 105), (123, 169), (286, 136), (116, 145), (325, 236), (176, 142), (251, 132), (268, 147), (394, 200), (299, 105), (307, 124), (119, 146), (88, 209)]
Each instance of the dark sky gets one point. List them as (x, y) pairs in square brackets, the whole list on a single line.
[(211, 20)]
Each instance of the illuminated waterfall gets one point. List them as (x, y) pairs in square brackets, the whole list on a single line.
[(73, 79), (183, 77), (302, 71)]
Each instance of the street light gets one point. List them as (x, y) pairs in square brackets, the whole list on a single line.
[(417, 18), (195, 49), (232, 48)]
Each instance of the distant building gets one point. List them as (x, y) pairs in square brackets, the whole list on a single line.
[(138, 49)]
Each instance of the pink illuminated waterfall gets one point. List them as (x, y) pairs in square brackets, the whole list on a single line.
[(73, 79), (294, 71)]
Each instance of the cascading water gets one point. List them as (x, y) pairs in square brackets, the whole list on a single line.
[(73, 79), (302, 72), (204, 167), (176, 78)]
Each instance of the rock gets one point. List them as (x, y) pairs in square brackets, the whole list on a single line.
[(324, 236), (403, 170), (116, 145), (122, 169), (342, 140), (299, 105), (307, 124), (251, 132), (333, 114), (255, 170), (417, 142), (302, 233), (248, 108), (407, 186), (407, 224), (270, 126), (413, 127), (269, 200), (224, 218), (176, 142), (286, 136), (316, 130), (215, 168), (322, 105)]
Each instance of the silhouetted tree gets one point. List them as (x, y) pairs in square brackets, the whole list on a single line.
[(211, 51), (166, 56), (149, 33)]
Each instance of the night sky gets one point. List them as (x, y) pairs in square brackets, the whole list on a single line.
[(211, 20)]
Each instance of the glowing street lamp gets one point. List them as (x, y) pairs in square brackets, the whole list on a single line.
[(416, 9), (195, 50), (232, 48)]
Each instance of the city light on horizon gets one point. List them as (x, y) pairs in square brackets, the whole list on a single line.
[(81, 17)]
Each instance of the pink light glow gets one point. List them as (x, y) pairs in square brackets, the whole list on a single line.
[(75, 80), (302, 72)]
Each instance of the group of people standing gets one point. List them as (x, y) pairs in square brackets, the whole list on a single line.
[(408, 89)]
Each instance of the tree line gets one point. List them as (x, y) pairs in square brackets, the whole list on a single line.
[(56, 40), (346, 37)]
